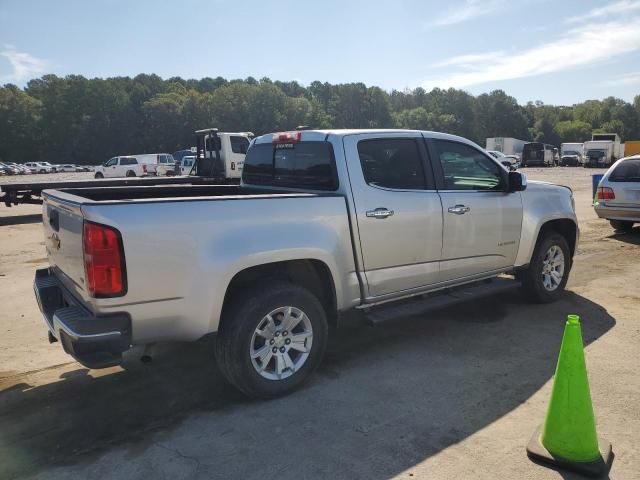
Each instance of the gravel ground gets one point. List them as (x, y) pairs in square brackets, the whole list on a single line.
[(452, 394), (47, 177)]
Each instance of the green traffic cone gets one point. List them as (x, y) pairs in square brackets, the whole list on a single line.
[(568, 438)]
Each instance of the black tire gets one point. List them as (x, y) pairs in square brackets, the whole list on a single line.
[(43, 171), (244, 315), (98, 175), (532, 277), (131, 173), (621, 225)]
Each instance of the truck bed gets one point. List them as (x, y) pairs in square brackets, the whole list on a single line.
[(14, 193), (167, 193), (175, 236)]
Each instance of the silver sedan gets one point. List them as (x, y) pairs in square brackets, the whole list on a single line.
[(618, 194)]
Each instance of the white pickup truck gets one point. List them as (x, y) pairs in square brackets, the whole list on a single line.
[(324, 224)]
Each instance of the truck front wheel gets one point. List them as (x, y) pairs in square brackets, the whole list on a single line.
[(99, 175), (546, 277), (271, 339)]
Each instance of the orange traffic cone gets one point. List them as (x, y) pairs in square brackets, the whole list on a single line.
[(568, 438)]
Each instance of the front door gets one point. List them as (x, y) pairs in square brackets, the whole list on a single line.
[(482, 222), (398, 211), (110, 167)]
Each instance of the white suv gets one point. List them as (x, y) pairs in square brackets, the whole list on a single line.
[(121, 167)]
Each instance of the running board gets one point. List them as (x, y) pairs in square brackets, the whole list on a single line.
[(442, 299)]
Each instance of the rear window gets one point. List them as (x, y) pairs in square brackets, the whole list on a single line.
[(128, 161), (307, 165), (627, 171)]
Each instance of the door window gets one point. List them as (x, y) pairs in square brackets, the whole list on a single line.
[(465, 168), (392, 163), (239, 144), (111, 162)]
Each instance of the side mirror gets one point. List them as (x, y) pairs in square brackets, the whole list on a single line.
[(517, 182)]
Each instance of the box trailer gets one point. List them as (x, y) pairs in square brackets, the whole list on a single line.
[(506, 145), (631, 147)]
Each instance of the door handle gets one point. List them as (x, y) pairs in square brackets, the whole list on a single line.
[(379, 212), (459, 209)]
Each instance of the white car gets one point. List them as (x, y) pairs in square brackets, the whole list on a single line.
[(54, 168), (67, 167), (509, 161), (121, 167), (618, 194), (39, 167)]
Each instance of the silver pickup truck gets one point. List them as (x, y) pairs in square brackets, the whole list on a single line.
[(324, 224)]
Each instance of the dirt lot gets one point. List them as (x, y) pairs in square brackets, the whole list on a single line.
[(456, 394)]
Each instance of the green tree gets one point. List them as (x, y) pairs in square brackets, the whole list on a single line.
[(573, 131)]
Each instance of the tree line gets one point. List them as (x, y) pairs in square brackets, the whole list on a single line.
[(85, 121)]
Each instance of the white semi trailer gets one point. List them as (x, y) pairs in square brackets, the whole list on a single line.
[(506, 145)]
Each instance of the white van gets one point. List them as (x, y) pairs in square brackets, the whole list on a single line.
[(153, 160)]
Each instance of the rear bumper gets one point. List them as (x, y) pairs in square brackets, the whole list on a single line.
[(94, 341), (617, 213)]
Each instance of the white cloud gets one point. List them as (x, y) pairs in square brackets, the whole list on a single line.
[(617, 8), (466, 11), (470, 61), (624, 80), (587, 45), (24, 65)]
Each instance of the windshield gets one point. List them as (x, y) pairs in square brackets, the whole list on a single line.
[(595, 153), (571, 152)]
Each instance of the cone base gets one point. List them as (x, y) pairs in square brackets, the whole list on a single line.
[(539, 454)]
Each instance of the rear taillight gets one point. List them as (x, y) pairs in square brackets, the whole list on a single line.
[(103, 261), (144, 167), (286, 137), (606, 193)]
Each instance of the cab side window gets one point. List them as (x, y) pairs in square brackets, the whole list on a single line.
[(392, 163), (466, 168), (111, 162)]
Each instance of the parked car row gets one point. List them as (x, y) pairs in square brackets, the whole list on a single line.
[(12, 168)]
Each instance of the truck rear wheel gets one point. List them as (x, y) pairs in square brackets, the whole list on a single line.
[(271, 339), (131, 173), (546, 277)]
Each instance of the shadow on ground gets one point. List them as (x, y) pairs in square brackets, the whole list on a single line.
[(384, 399), (632, 237), (20, 219)]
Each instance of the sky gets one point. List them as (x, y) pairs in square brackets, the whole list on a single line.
[(557, 51)]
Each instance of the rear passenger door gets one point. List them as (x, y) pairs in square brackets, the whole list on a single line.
[(482, 222), (398, 211)]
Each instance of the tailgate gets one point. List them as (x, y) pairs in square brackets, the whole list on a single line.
[(627, 194), (63, 223)]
